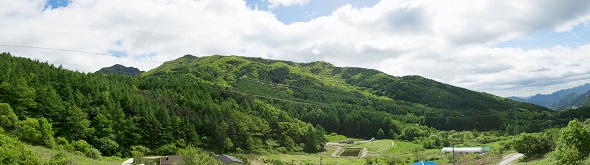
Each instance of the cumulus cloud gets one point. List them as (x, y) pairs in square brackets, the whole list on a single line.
[(286, 3), (450, 41)]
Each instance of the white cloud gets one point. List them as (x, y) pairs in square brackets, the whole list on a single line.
[(315, 51), (286, 3), (450, 41)]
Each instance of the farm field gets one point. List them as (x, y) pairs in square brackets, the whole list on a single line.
[(399, 151)]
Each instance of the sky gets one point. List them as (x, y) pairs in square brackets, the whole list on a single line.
[(506, 48)]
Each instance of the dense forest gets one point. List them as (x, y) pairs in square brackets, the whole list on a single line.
[(115, 113), (120, 69), (321, 93), (233, 104)]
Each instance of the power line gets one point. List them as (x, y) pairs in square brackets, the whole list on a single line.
[(133, 31), (258, 81), (75, 51)]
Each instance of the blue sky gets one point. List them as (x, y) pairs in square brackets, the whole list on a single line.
[(318, 8), (313, 9), (547, 38), (52, 4)]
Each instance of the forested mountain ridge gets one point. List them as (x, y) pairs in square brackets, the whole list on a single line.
[(231, 104), (118, 114), (572, 101), (558, 100), (323, 85), (120, 69)]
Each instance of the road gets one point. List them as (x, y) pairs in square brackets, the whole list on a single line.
[(128, 162), (511, 158)]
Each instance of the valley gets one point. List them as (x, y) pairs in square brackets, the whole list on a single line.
[(264, 111)]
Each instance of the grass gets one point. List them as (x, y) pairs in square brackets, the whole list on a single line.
[(44, 154), (401, 151), (313, 159), (377, 145), (540, 160), (335, 137)]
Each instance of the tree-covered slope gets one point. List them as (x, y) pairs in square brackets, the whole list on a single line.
[(117, 113), (120, 69), (572, 101), (319, 92), (558, 100)]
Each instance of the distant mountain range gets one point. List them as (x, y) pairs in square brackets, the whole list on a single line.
[(562, 99), (120, 69)]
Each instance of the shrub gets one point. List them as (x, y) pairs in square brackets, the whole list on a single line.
[(168, 149), (61, 158), (107, 146), (13, 151), (8, 119), (63, 144), (93, 153), (81, 145)]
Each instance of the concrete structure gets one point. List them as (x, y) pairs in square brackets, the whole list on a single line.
[(463, 150)]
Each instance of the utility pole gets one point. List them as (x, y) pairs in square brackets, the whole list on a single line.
[(516, 124), (515, 121), (453, 146)]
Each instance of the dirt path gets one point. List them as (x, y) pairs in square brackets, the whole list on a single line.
[(128, 162), (511, 158)]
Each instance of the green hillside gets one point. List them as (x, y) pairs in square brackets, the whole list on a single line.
[(329, 91), (120, 69), (572, 101), (118, 114), (228, 104)]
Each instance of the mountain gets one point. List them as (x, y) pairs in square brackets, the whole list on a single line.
[(323, 85), (120, 69), (240, 104), (117, 114), (573, 101), (554, 100)]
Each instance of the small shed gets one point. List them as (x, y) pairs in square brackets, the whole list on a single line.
[(463, 150), (229, 160), (169, 160)]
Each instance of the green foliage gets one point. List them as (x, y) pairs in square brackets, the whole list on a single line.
[(193, 155), (530, 144), (315, 139), (86, 149), (8, 120), (413, 132), (107, 146), (63, 144), (168, 149), (13, 152), (574, 143), (120, 69), (37, 131), (93, 153), (380, 134), (61, 158), (231, 104)]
